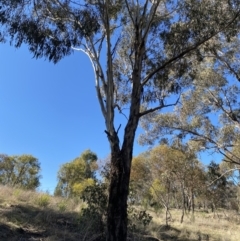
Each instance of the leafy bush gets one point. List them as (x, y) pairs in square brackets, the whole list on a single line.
[(62, 206), (43, 200), (93, 217), (17, 192), (138, 219), (96, 198)]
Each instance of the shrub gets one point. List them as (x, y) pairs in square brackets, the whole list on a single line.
[(93, 217), (43, 200), (62, 206), (138, 219)]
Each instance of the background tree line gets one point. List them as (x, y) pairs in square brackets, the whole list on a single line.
[(170, 177), (164, 177)]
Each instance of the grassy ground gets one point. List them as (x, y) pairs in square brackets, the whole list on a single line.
[(221, 226), (31, 216)]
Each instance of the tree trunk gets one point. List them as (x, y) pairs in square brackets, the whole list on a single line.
[(118, 193), (183, 204), (166, 216), (167, 204), (193, 203), (189, 204), (121, 160)]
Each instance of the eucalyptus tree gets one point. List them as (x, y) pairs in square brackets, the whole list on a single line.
[(20, 171), (208, 111), (221, 192), (75, 176), (140, 181), (176, 170), (141, 52), (168, 176)]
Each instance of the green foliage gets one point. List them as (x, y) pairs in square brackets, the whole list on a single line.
[(138, 219), (175, 178), (20, 171), (45, 40), (235, 152), (96, 199), (17, 192), (74, 177), (208, 115), (62, 206), (78, 188), (141, 175), (221, 190), (43, 200), (215, 175)]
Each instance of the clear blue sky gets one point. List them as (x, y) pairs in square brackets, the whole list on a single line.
[(49, 111)]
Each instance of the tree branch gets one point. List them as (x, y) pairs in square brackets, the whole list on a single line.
[(157, 108), (110, 84), (100, 98), (230, 170), (229, 114), (152, 15), (186, 51), (129, 12), (227, 65), (210, 140)]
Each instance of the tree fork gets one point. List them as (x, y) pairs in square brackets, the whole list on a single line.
[(119, 179)]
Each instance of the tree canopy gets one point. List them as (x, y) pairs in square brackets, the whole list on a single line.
[(208, 110), (174, 177), (169, 177), (75, 176), (20, 171)]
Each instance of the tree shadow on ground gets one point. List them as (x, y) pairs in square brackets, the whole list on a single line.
[(30, 223), (26, 222), (168, 233)]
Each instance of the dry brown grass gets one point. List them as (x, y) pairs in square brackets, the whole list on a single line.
[(221, 226), (32, 216)]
